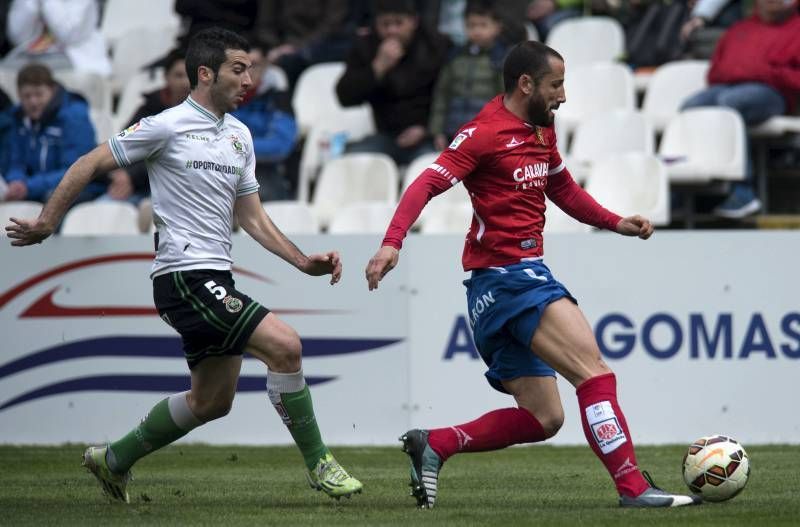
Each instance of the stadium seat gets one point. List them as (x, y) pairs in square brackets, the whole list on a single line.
[(531, 32), (632, 183), (558, 221), (607, 133), (136, 49), (453, 196), (351, 124), (448, 218), (669, 87), (8, 83), (704, 144), (354, 178), (19, 209), (132, 95), (593, 89), (416, 167), (95, 88), (103, 125), (587, 40), (362, 218), (315, 103), (99, 218), (292, 217), (120, 17)]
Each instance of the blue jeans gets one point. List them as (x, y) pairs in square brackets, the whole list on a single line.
[(754, 101)]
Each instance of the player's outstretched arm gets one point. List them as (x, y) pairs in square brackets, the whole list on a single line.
[(30, 231), (257, 224), (384, 261), (635, 226)]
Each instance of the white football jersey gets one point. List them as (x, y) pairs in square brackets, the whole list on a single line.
[(198, 165)]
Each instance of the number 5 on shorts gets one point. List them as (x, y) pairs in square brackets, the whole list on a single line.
[(217, 290)]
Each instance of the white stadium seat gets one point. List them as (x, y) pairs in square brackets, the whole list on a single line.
[(292, 217), (593, 89), (632, 183), (19, 209), (587, 40), (417, 166), (669, 87), (558, 221), (120, 17), (99, 218), (704, 144), (453, 196), (448, 218), (136, 49), (315, 102), (351, 124), (362, 218), (8, 83), (95, 88), (132, 95), (354, 178), (103, 125), (607, 133)]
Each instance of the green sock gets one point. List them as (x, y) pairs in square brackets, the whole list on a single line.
[(297, 412), (158, 429)]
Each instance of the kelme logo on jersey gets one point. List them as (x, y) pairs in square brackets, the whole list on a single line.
[(216, 167)]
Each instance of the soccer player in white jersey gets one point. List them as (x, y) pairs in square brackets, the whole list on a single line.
[(201, 168)]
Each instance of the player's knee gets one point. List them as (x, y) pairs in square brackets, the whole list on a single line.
[(551, 422), (211, 409), (286, 356)]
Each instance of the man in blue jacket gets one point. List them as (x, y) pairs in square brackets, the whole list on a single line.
[(50, 130), (267, 112)]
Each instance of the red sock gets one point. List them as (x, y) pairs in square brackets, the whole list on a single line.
[(607, 433), (493, 431)]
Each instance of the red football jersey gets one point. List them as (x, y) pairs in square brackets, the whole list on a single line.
[(507, 166)]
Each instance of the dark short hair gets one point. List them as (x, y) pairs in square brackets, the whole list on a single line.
[(527, 58), (35, 75), (207, 48), (385, 7), (481, 8), (171, 58)]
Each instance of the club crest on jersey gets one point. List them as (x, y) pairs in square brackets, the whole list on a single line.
[(237, 144), (464, 134), (129, 130), (232, 304), (540, 135)]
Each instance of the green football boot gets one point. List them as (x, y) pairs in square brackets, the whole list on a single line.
[(329, 477), (115, 486)]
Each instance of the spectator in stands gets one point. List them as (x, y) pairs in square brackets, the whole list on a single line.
[(395, 69), (50, 130), (472, 77), (236, 15), (707, 21), (5, 129), (131, 183), (5, 5), (267, 112), (300, 33), (755, 70), (448, 15), (61, 34), (545, 14)]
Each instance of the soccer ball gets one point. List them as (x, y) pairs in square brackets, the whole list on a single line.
[(716, 468)]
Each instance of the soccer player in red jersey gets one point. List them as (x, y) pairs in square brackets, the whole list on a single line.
[(526, 324)]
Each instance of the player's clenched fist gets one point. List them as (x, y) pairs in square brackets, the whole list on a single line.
[(384, 261)]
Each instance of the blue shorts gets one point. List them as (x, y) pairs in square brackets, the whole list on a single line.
[(504, 306)]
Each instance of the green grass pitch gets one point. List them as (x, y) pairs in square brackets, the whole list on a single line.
[(233, 485)]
